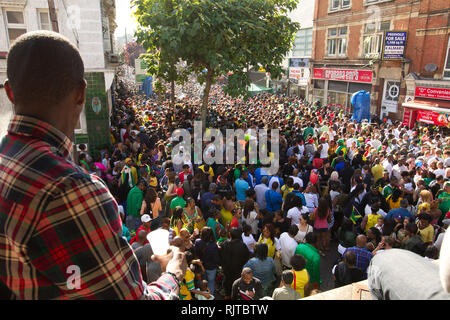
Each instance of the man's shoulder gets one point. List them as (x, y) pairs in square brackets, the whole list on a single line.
[(42, 169)]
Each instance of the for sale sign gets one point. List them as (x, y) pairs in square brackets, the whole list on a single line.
[(394, 45)]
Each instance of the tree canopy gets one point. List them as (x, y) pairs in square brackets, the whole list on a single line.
[(217, 37)]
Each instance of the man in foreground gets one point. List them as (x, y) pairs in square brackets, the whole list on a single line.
[(60, 231)]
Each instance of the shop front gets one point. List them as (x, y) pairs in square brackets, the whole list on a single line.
[(299, 76), (430, 105), (335, 87)]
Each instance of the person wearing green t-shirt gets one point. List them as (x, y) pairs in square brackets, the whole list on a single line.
[(444, 200), (134, 204), (178, 201), (310, 252)]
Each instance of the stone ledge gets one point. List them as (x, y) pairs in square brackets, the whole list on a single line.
[(355, 291)]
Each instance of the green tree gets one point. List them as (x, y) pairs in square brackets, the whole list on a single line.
[(215, 37)]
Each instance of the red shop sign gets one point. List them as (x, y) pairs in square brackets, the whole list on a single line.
[(344, 75), (433, 93), (407, 116), (431, 117)]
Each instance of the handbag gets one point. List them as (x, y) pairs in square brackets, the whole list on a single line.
[(278, 264)]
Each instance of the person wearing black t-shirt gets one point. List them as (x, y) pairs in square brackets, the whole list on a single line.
[(247, 287)]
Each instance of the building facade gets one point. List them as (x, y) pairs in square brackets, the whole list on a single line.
[(298, 60), (379, 46), (89, 25)]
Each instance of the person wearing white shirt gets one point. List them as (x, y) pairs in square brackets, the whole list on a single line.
[(324, 149), (248, 238), (293, 214), (275, 179), (387, 164), (288, 244), (296, 178)]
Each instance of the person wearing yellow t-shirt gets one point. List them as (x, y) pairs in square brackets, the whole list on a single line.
[(393, 200), (426, 230), (187, 287), (267, 237), (288, 187), (377, 170), (208, 170), (371, 219), (301, 276)]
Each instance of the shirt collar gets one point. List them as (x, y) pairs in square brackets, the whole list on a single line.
[(38, 129)]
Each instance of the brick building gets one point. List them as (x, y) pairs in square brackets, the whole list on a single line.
[(349, 53)]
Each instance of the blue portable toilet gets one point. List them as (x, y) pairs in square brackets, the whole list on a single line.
[(147, 86), (361, 106)]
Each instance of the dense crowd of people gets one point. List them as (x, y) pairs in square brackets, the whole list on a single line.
[(366, 187), (155, 224)]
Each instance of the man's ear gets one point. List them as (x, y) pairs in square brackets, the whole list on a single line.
[(81, 93), (9, 92)]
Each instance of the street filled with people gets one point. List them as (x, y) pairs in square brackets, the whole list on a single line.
[(359, 188)]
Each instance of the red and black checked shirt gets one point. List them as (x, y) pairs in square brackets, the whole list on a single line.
[(54, 216)]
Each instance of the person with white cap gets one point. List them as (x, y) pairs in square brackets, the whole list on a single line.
[(146, 224)]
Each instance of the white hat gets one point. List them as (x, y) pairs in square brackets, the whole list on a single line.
[(146, 218)]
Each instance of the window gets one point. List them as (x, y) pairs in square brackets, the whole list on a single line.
[(44, 20), (15, 24), (337, 41), (447, 62), (339, 4), (369, 2), (373, 38), (303, 43)]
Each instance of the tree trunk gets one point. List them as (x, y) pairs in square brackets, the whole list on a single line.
[(172, 96), (204, 109)]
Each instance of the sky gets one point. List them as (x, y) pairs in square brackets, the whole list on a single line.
[(124, 18)]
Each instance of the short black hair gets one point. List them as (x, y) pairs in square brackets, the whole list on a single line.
[(350, 257), (287, 276), (311, 238), (425, 216), (293, 230), (261, 251), (298, 262), (43, 66)]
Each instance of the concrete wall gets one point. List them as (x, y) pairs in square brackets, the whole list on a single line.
[(78, 20)]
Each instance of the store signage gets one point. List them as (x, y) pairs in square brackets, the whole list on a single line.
[(433, 93), (432, 117), (351, 75), (394, 45), (407, 117), (300, 74)]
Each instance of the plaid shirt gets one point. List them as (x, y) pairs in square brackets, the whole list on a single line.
[(363, 258), (56, 218)]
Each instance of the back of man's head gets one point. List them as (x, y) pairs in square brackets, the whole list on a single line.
[(361, 241), (43, 68), (350, 258), (404, 203), (288, 277), (311, 238)]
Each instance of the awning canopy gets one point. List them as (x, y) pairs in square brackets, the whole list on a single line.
[(255, 89), (433, 112), (430, 105)]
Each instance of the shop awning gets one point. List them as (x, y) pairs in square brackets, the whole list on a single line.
[(436, 106), (435, 112)]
